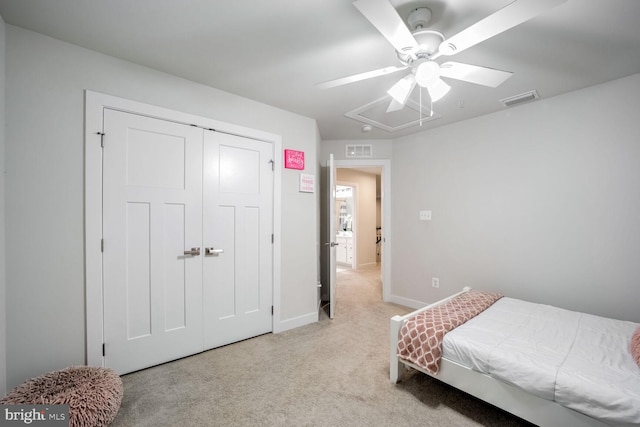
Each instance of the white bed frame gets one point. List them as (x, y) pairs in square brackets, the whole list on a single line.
[(512, 399)]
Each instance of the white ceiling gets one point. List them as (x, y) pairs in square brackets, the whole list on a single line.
[(276, 51)]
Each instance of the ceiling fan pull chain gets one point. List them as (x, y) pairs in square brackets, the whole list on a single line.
[(420, 106)]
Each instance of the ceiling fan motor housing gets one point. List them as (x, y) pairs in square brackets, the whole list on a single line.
[(428, 40), (419, 18)]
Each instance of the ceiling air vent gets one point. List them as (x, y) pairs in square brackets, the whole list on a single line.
[(519, 99), (359, 151)]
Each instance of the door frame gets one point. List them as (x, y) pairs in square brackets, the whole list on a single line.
[(95, 103), (385, 183)]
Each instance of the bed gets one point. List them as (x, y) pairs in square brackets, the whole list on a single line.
[(544, 364)]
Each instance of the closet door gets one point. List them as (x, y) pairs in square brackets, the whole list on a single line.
[(152, 228), (237, 227)]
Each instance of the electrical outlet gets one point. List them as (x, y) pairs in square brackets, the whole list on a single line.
[(435, 282)]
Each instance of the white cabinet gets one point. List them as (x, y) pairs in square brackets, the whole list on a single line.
[(344, 250)]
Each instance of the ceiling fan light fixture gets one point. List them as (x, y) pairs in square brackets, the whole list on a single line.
[(438, 90), (402, 89), (394, 106), (427, 73)]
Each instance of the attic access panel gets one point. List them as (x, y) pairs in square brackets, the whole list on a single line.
[(375, 113)]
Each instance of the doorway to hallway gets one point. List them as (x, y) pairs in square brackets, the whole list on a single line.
[(378, 241), (380, 236)]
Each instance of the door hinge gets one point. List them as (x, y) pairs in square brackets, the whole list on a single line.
[(272, 238), (103, 350), (273, 164), (101, 138), (272, 310), (101, 245)]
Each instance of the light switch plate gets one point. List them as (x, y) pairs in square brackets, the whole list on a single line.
[(425, 215)]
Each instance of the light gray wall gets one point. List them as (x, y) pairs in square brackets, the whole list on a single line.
[(45, 85), (3, 276), (540, 201)]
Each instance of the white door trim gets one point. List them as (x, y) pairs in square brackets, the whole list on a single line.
[(95, 103), (385, 260)]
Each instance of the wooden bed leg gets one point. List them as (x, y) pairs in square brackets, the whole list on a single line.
[(395, 366)]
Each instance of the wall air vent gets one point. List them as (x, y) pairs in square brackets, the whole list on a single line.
[(359, 151), (519, 99)]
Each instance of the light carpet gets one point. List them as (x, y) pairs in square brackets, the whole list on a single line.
[(330, 373)]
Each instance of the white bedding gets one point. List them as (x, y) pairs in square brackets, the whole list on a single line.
[(579, 360)]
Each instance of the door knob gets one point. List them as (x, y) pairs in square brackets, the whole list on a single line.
[(213, 251), (193, 251)]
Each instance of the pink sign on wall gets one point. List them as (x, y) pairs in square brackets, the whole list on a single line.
[(294, 159)]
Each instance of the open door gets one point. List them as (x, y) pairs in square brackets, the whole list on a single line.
[(328, 226), (331, 244)]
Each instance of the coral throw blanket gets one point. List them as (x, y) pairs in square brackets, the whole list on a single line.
[(421, 336)]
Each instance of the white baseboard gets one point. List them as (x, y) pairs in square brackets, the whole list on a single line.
[(407, 302), (367, 264), (295, 322)]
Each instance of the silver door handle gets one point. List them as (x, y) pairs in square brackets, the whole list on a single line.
[(213, 251), (193, 251), (332, 244)]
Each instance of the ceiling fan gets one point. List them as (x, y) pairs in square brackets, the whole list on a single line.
[(418, 47)]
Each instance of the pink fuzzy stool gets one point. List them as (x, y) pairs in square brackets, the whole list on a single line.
[(93, 394)]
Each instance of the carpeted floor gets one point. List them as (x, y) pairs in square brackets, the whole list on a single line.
[(331, 373)]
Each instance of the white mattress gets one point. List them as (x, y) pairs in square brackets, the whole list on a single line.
[(579, 360)]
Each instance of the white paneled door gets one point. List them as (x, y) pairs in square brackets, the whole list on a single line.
[(238, 218), (183, 246)]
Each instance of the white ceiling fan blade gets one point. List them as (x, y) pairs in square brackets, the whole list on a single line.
[(386, 20), (359, 77), (474, 74), (402, 89), (508, 17)]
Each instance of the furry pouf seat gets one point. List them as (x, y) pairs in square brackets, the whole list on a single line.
[(93, 394)]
